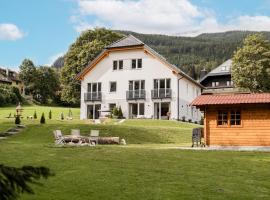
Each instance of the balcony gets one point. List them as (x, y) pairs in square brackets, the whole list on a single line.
[(92, 96), (161, 93), (135, 94)]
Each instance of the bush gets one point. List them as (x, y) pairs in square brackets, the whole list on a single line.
[(17, 119), (50, 114), (62, 116), (115, 112), (35, 115), (42, 119), (9, 95)]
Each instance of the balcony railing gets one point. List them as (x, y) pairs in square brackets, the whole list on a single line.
[(92, 96), (161, 93), (135, 94)]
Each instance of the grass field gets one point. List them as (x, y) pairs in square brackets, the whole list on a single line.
[(144, 169)]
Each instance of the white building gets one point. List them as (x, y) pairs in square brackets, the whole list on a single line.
[(130, 74)]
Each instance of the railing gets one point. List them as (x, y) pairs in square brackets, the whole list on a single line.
[(92, 96), (161, 93), (135, 94)]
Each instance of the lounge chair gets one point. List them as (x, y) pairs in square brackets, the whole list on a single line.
[(75, 132), (94, 135), (59, 138)]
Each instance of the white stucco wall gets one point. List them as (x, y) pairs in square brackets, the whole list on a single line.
[(152, 69)]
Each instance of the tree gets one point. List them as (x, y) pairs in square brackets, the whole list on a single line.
[(35, 115), (14, 181), (81, 52), (42, 119), (50, 114), (17, 119), (251, 64), (28, 74), (120, 113)]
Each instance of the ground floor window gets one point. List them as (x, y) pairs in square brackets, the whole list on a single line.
[(162, 110), (93, 111), (235, 118), (222, 118), (136, 109), (112, 106)]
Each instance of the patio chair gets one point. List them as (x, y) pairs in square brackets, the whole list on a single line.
[(75, 132), (94, 135), (58, 136)]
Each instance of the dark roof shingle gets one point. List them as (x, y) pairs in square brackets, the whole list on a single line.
[(127, 41)]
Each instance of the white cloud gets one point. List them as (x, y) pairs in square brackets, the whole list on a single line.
[(174, 17), (10, 32)]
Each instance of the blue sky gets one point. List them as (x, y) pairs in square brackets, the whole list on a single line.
[(43, 29)]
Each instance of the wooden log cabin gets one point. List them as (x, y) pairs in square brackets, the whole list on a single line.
[(235, 119)]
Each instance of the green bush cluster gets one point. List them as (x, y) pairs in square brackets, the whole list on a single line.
[(117, 112), (9, 95)]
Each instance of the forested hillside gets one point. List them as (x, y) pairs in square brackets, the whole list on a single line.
[(192, 54)]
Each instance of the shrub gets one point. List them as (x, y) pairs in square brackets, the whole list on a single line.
[(62, 116), (69, 113), (50, 114), (35, 115), (42, 119), (115, 112), (17, 119), (120, 113)]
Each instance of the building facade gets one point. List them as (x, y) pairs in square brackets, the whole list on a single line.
[(219, 79), (131, 75), (236, 119), (10, 77)]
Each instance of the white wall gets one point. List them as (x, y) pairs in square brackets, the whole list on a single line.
[(152, 69)]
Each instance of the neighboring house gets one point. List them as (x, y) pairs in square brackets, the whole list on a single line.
[(10, 77), (130, 74), (219, 79), (236, 119)]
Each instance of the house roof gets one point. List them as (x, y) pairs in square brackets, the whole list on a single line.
[(228, 99), (131, 42), (223, 69), (128, 41)]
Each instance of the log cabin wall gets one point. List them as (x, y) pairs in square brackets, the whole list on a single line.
[(253, 131)]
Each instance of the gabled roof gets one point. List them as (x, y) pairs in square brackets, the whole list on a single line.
[(128, 42), (228, 99), (223, 69)]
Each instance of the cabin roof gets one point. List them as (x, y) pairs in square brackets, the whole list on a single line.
[(252, 98)]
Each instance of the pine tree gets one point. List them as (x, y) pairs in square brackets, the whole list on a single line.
[(17, 119), (50, 114), (35, 115), (42, 119), (120, 113)]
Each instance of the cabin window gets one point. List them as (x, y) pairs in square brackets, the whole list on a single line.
[(235, 118), (112, 86), (222, 118)]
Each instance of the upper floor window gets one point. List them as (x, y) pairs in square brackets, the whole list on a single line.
[(117, 64), (113, 86), (94, 87), (215, 84), (136, 63), (229, 83), (162, 83), (136, 85)]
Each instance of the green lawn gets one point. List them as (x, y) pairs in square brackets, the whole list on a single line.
[(144, 169)]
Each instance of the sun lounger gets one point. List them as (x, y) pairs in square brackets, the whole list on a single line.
[(94, 135), (59, 138)]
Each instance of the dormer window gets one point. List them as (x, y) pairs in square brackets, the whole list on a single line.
[(136, 63), (118, 64), (224, 68)]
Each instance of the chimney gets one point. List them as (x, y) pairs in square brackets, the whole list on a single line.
[(203, 73)]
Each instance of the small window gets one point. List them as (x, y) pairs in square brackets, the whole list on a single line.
[(112, 106), (120, 64), (215, 84), (222, 118), (115, 65), (133, 64), (139, 63), (112, 86), (235, 118)]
